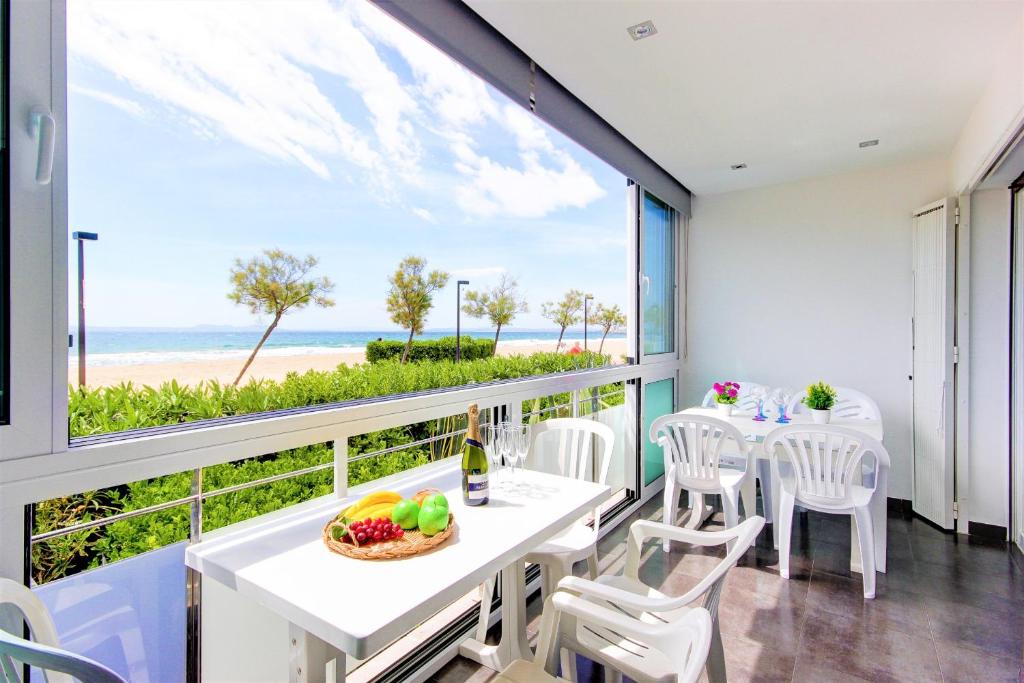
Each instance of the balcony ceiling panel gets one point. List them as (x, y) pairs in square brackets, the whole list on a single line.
[(790, 89)]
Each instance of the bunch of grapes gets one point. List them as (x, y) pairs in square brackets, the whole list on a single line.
[(372, 531)]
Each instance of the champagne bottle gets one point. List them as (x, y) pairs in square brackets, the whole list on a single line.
[(475, 488)]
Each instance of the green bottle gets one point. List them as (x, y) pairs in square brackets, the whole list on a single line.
[(475, 489)]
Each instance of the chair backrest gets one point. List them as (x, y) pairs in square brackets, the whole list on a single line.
[(745, 401), (824, 460), (575, 437), (850, 404), (56, 664), (693, 446), (43, 651)]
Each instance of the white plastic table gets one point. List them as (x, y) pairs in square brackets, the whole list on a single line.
[(755, 433), (337, 606)]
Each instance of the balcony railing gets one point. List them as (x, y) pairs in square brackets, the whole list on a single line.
[(582, 393)]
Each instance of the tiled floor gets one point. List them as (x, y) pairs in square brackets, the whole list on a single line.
[(947, 610)]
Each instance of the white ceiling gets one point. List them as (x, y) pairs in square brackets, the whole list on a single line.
[(789, 88)]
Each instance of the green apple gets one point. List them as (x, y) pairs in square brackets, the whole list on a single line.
[(406, 514), (433, 518)]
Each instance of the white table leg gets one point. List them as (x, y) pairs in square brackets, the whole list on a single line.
[(311, 660), (776, 486), (513, 644)]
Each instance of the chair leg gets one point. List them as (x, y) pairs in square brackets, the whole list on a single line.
[(669, 506), (785, 531), (748, 494), (611, 675), (593, 571), (764, 475), (866, 539), (568, 662), (545, 582), (715, 666), (730, 506)]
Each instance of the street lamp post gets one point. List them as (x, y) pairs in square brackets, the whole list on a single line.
[(458, 319), (81, 238), (586, 300)]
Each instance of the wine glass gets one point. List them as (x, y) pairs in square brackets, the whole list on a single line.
[(758, 393), (489, 436), (785, 396), (520, 442)]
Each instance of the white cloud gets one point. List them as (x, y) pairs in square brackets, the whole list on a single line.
[(123, 103), (423, 214), (254, 73)]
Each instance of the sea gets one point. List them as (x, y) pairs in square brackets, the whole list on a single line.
[(135, 346)]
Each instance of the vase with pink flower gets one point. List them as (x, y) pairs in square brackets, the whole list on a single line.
[(726, 395)]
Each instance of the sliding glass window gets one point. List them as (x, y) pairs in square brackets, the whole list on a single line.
[(658, 278)]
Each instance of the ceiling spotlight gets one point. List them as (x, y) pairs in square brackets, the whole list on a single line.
[(868, 143), (642, 30), (737, 167)]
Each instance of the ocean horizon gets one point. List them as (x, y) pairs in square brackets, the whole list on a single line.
[(135, 346)]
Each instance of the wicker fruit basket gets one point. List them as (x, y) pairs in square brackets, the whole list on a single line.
[(412, 543)]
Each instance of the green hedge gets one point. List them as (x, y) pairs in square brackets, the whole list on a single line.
[(430, 349), (124, 407)]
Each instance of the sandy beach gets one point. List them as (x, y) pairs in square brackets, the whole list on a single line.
[(277, 366)]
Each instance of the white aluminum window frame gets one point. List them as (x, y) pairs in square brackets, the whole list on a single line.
[(36, 461)]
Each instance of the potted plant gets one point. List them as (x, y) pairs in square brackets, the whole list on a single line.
[(726, 395), (819, 400)]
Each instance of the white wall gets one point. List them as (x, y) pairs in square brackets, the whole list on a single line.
[(989, 368), (811, 280), (994, 119)]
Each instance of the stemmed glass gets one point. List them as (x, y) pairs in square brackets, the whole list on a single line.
[(519, 442), (758, 393), (491, 437)]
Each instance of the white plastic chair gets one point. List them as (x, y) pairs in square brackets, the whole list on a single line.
[(630, 598), (693, 448), (850, 404), (43, 651), (744, 401), (824, 465), (578, 441), (557, 555), (747, 403), (683, 644)]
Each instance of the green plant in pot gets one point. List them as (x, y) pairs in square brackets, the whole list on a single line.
[(726, 396), (819, 400)]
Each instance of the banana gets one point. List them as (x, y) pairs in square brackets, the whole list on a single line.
[(369, 500), (375, 511)]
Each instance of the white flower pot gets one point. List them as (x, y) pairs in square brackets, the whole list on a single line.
[(821, 417), (725, 409)]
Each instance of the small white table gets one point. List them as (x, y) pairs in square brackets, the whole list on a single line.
[(336, 605), (755, 433)]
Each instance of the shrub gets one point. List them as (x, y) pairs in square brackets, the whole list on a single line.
[(123, 407), (430, 349)]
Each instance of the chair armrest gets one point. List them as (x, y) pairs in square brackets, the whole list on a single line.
[(616, 596), (598, 615)]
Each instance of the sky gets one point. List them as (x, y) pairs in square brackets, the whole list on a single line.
[(201, 132)]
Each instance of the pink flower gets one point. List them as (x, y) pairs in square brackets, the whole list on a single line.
[(718, 388), (733, 393)]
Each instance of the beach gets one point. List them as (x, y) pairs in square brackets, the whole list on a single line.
[(275, 367)]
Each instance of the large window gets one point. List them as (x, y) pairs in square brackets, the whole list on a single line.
[(269, 216)]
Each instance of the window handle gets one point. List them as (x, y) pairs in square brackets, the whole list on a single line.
[(43, 128)]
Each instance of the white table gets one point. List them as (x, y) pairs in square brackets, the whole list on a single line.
[(755, 433), (336, 605)]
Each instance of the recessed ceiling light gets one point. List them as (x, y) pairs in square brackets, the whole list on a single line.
[(868, 143), (642, 30), (737, 167)]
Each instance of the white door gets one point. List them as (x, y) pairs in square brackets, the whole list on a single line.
[(1017, 371), (933, 324)]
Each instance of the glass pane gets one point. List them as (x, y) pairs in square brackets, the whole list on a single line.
[(658, 286), (659, 399), (128, 615), (203, 196)]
